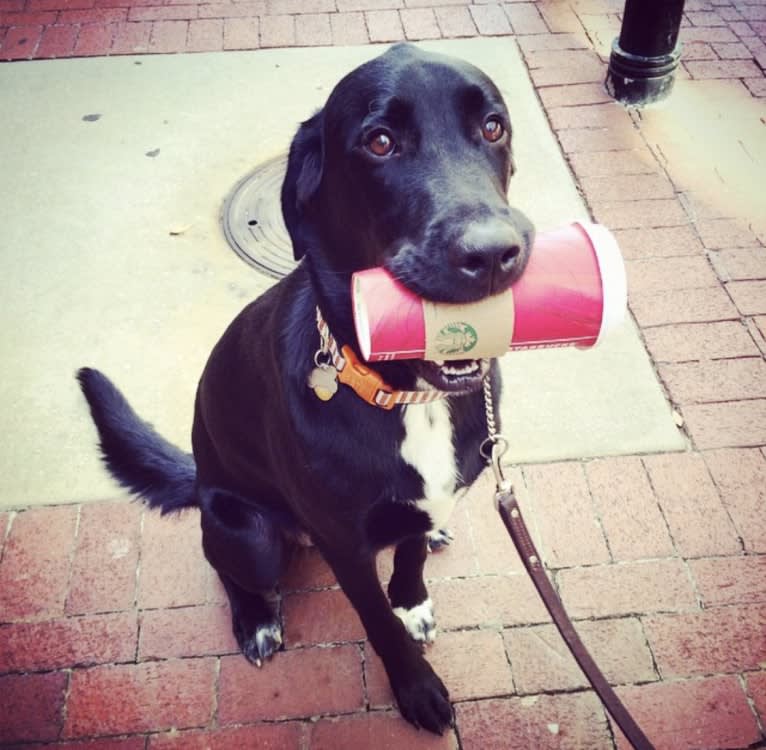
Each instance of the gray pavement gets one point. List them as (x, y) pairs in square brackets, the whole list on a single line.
[(112, 253)]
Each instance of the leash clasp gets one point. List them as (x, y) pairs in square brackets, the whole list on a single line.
[(492, 450)]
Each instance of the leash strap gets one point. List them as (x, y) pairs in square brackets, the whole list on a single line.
[(492, 449), (509, 511)]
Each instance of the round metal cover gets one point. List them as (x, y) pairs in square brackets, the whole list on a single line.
[(252, 220)]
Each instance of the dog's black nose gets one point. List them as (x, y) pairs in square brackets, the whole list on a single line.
[(488, 254)]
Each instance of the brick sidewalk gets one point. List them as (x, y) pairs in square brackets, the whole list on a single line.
[(660, 558), (724, 38)]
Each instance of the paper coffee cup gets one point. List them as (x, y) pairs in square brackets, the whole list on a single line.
[(572, 293)]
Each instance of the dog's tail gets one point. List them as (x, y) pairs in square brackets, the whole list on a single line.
[(136, 455)]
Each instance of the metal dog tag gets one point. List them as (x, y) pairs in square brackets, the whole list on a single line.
[(324, 381)]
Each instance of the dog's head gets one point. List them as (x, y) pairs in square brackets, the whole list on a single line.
[(407, 166)]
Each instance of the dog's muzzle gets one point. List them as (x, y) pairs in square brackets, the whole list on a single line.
[(488, 255)]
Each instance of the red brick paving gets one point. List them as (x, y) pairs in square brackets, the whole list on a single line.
[(455, 656), (567, 514), (313, 30), (131, 38), (58, 41), (466, 522), (348, 28), (136, 698), (756, 688), (494, 600), (731, 639), (105, 559), (709, 619), (640, 213), (690, 714), (704, 341), (722, 233), (278, 31), (723, 380), (124, 743), (241, 33), (546, 722), (55, 644), (32, 706), (730, 580), (748, 296), (687, 495), (172, 572), (114, 634), (740, 263), (375, 731), (492, 553), (655, 242), (740, 476), (627, 588), (186, 632), (664, 308), (741, 423), (630, 515), (5, 520), (384, 26), (685, 272), (331, 678), (541, 661), (320, 617), (34, 574), (283, 736), (598, 140)]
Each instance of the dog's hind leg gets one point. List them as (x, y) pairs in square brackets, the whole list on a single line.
[(438, 539), (245, 545), (256, 625)]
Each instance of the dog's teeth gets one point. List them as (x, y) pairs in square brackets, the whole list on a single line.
[(439, 362), (469, 369)]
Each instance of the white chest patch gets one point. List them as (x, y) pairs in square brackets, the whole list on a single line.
[(428, 448)]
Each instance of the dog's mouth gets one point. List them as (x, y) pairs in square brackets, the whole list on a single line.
[(456, 375)]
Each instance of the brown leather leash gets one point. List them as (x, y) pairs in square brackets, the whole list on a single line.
[(508, 507)]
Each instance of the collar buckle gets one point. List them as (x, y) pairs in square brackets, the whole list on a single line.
[(367, 383)]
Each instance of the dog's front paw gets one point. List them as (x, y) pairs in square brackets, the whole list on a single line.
[(438, 539), (419, 621), (261, 644), (424, 701)]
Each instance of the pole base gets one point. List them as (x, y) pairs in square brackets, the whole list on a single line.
[(638, 80)]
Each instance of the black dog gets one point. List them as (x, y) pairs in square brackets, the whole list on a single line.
[(407, 166)]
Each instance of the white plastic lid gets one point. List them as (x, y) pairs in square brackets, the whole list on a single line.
[(361, 319), (614, 284)]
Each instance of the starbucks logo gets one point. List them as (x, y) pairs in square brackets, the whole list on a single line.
[(456, 338)]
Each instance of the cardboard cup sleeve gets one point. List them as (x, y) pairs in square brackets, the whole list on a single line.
[(572, 293)]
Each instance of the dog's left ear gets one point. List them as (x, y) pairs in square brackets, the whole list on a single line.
[(302, 180)]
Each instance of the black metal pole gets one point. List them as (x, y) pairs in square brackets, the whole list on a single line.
[(644, 57)]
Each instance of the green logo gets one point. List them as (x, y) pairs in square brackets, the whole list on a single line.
[(456, 338)]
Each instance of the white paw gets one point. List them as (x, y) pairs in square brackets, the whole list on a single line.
[(419, 621), (268, 639), (438, 539)]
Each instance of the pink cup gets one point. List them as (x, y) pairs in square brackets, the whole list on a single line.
[(572, 293)]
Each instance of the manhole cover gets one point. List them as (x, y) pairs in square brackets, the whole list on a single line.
[(252, 220)]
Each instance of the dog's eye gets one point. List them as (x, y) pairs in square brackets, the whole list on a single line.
[(493, 129), (381, 143)]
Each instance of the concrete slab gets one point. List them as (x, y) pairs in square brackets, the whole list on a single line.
[(114, 173)]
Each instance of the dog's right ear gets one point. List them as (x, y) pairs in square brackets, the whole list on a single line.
[(302, 180)]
